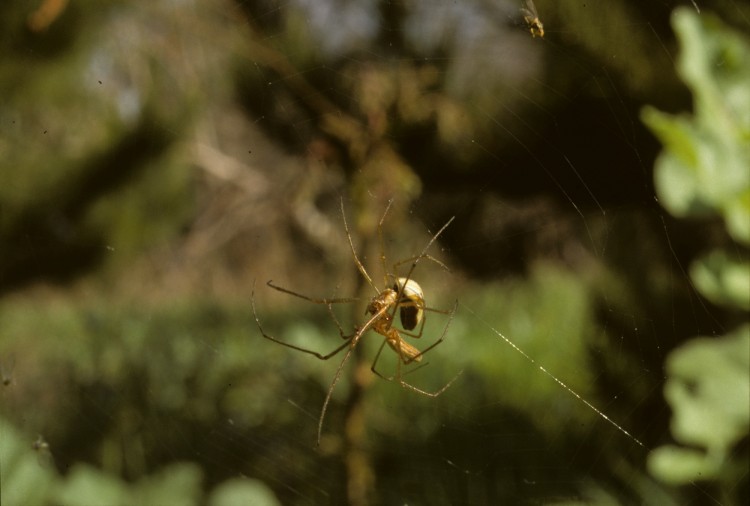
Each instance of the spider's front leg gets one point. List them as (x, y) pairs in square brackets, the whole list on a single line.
[(321, 356)]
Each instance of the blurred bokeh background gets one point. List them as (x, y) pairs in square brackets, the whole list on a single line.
[(161, 161)]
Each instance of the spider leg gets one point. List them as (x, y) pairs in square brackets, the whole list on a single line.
[(336, 378), (338, 324), (351, 342), (411, 387), (415, 259), (361, 267), (419, 257), (441, 311), (373, 367), (429, 394), (347, 339), (314, 300), (375, 361), (381, 242)]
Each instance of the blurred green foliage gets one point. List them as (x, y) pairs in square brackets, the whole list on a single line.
[(91, 113), (708, 387), (550, 317), (25, 477), (704, 167), (29, 478), (704, 170), (163, 380), (115, 362)]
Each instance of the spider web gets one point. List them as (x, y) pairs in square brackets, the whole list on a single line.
[(571, 280)]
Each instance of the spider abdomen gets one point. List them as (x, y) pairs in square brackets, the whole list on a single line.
[(411, 304)]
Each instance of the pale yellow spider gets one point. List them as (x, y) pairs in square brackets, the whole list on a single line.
[(401, 294)]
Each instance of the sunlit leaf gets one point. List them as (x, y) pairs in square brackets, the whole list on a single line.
[(708, 388), (241, 491), (704, 165), (86, 482), (723, 280), (24, 478)]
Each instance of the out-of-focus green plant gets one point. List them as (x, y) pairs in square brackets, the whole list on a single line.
[(708, 388), (75, 198), (24, 479), (241, 491), (704, 167), (186, 371), (178, 484), (29, 478), (538, 314), (703, 170)]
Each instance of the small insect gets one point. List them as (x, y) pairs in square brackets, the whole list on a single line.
[(401, 294), (40, 445), (531, 17), (44, 454)]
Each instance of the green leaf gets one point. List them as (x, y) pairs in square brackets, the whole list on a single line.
[(86, 482), (676, 465), (25, 478), (723, 280), (706, 159), (708, 388), (242, 491), (176, 485)]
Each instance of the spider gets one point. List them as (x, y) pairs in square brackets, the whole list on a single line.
[(400, 294), (530, 16)]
